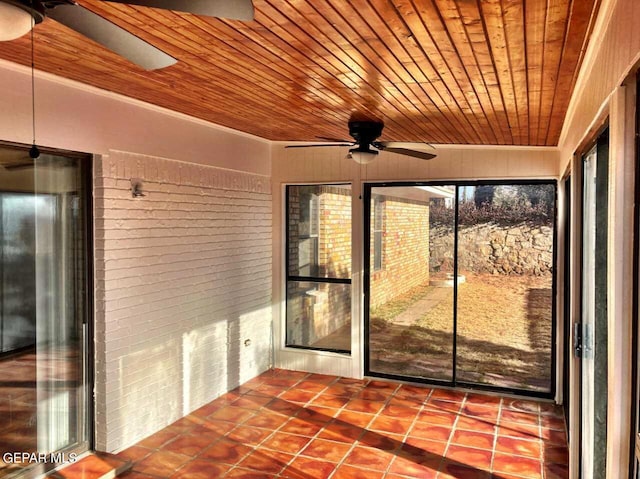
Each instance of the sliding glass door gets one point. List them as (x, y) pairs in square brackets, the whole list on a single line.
[(44, 308), (592, 329), (459, 284)]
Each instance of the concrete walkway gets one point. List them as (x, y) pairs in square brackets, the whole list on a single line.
[(418, 309), (341, 339)]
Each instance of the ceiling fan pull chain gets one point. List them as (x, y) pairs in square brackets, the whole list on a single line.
[(360, 178), (34, 152)]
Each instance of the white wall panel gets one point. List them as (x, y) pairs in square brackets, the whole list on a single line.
[(73, 116)]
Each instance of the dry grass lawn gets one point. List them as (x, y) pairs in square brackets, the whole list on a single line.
[(504, 333)]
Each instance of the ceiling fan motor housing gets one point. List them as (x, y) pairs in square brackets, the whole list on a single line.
[(36, 8), (365, 132)]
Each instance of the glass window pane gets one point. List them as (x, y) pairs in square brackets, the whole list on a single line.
[(377, 250), (18, 318), (319, 231), (319, 315), (411, 285), (505, 271), (378, 218)]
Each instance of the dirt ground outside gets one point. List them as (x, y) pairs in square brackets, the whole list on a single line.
[(503, 325)]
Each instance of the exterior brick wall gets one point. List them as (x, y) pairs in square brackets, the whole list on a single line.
[(313, 315), (405, 249), (335, 232), (182, 280)]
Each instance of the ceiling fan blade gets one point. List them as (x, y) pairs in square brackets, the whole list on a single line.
[(423, 155), (111, 36), (231, 9), (19, 166), (335, 140), (319, 144), (28, 163), (410, 145)]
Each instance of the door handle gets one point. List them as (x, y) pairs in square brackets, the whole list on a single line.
[(577, 340)]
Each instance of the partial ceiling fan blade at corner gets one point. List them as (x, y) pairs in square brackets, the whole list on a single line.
[(423, 155), (111, 36), (27, 164), (230, 9), (319, 144)]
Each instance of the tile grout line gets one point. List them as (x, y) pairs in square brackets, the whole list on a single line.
[(317, 394), (278, 429), (275, 431), (496, 436), (406, 435), (453, 427), (364, 430), (540, 442), (338, 411)]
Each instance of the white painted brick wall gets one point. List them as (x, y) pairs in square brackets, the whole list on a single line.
[(182, 278)]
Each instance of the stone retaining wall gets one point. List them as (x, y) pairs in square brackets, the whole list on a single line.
[(489, 248)]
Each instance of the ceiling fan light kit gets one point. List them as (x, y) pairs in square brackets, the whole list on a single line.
[(15, 20), (362, 157)]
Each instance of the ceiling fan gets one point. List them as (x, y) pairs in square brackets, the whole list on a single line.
[(18, 16), (365, 134)]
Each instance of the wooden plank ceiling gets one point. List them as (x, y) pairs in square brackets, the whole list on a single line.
[(495, 72)]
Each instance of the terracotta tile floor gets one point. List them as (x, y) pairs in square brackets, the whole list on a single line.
[(306, 426), (19, 395)]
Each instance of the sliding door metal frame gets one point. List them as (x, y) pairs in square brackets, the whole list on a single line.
[(89, 316), (367, 287), (634, 470), (567, 355), (456, 230)]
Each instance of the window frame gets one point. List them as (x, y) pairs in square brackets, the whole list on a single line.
[(290, 278)]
